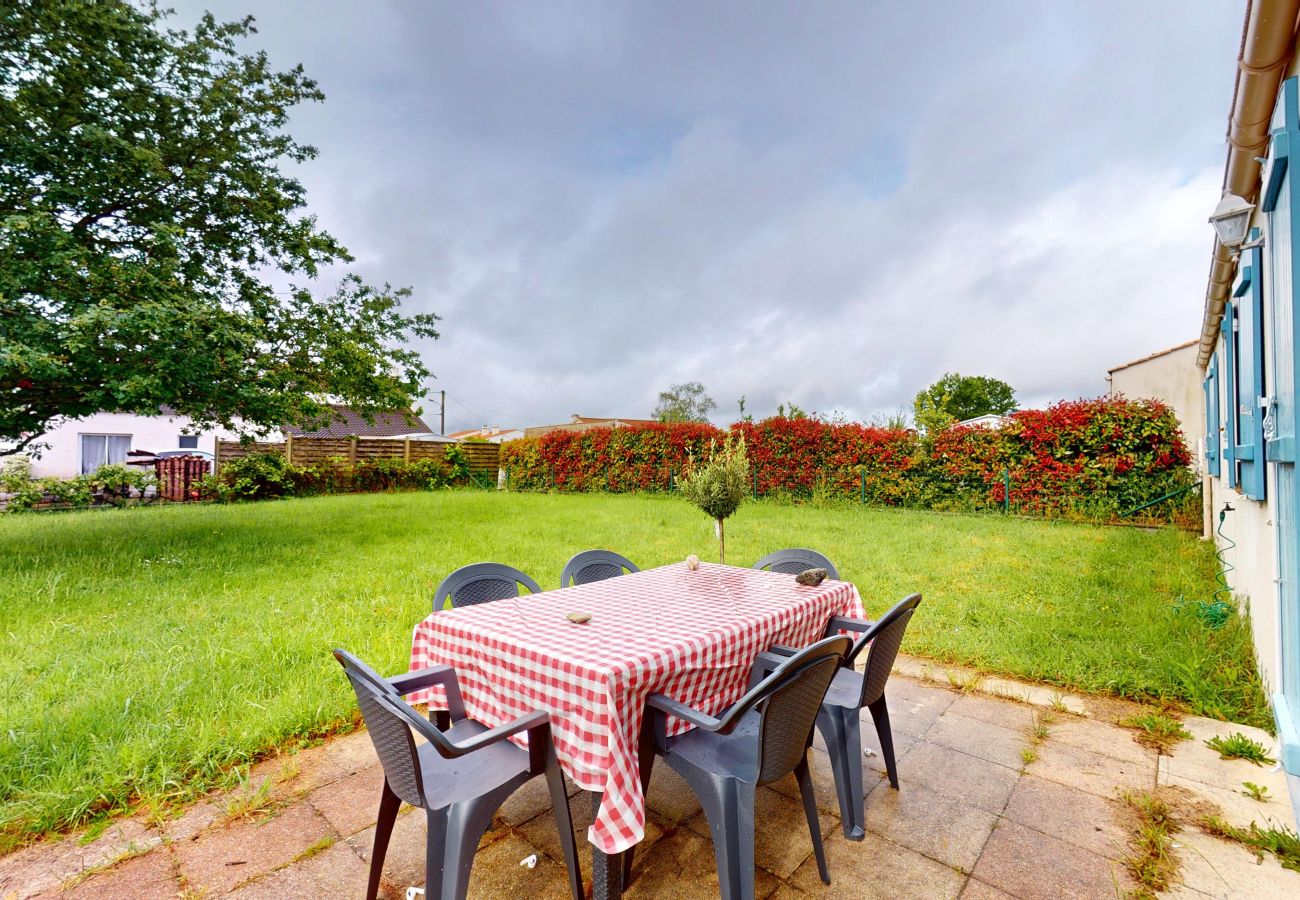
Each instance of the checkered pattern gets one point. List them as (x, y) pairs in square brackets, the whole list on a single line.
[(691, 635)]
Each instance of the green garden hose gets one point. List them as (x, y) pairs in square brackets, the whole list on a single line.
[(1218, 610)]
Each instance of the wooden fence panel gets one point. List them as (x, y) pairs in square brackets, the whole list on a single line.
[(344, 452)]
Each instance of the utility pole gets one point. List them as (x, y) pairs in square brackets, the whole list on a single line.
[(442, 416)]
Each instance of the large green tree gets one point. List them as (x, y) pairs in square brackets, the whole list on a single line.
[(688, 402), (957, 397), (153, 251)]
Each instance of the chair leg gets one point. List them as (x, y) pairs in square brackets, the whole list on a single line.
[(729, 809), (389, 804), (833, 724), (880, 715), (804, 778), (435, 853), (564, 823)]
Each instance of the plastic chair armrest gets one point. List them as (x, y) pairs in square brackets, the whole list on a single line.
[(844, 623), (444, 676), (664, 704)]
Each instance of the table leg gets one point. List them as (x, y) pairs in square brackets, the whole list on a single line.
[(606, 868)]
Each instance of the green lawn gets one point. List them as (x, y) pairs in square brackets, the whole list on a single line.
[(144, 652)]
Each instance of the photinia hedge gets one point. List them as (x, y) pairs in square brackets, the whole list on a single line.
[(1097, 458)]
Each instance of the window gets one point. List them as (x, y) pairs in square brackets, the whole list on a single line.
[(188, 442), (103, 450)]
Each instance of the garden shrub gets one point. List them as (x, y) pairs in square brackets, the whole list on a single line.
[(266, 476), (1092, 459), (112, 484)]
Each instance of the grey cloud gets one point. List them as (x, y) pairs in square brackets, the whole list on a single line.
[(825, 203)]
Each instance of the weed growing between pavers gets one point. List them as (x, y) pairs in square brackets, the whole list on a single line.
[(1255, 791), (1151, 860), (1238, 746), (1157, 731), (1273, 838)]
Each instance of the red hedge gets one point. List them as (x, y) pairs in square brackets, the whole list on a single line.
[(1103, 457)]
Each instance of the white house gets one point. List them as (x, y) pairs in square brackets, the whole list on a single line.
[(1246, 359), (1170, 376), (83, 445)]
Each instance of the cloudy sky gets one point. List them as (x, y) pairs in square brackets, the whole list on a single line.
[(831, 204)]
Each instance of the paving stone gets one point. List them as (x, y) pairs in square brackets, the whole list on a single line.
[(150, 875), (352, 752), (781, 838), (979, 738), (1069, 814), (533, 799), (193, 821), (1102, 738), (45, 866), (819, 764), (1018, 717), (952, 773), (1194, 761), (293, 774), (32, 870), (939, 827), (221, 858), (877, 869), (336, 871), (903, 743), (1236, 807), (404, 860), (913, 707), (978, 890), (682, 867), (1033, 866), (670, 796), (1090, 771), (1225, 870), (351, 803)]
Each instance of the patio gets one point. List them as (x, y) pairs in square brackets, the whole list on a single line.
[(973, 819)]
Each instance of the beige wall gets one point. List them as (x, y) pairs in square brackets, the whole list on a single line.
[(1172, 377)]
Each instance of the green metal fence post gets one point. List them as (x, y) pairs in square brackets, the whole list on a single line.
[(670, 480), (507, 478), (755, 482), (1006, 490), (862, 479)]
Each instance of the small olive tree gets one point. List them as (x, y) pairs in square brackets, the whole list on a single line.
[(717, 485)]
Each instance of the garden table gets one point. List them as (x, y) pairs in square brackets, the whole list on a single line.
[(691, 634)]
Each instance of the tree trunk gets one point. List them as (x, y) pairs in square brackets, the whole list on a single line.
[(722, 542)]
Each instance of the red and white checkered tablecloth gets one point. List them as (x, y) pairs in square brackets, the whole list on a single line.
[(691, 635)]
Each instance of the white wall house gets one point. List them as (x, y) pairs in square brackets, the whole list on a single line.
[(83, 445), (1170, 376), (1246, 360)]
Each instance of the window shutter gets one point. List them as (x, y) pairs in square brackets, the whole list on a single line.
[(1249, 451), (1212, 416), (1230, 395)]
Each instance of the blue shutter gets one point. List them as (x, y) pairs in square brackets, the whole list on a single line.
[(1249, 451), (1229, 331), (1212, 416)]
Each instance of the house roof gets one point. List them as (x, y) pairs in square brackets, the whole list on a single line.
[(1151, 356), (347, 422)]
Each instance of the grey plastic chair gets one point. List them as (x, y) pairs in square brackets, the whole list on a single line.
[(595, 565), (480, 583), (460, 778), (850, 691), (761, 738), (795, 560)]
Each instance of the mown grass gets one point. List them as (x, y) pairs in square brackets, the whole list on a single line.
[(145, 653)]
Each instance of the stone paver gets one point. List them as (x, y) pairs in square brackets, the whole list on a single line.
[(971, 821), (941, 827), (222, 858), (1033, 866)]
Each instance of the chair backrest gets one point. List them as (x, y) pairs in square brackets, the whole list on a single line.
[(884, 639), (794, 560), (788, 701), (480, 583), (394, 744), (595, 565)]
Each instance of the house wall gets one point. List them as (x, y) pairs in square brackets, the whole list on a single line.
[(62, 455), (1173, 378)]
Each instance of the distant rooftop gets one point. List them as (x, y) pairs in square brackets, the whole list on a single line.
[(347, 422), (1151, 356)]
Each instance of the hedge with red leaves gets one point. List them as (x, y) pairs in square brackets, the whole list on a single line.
[(1098, 457)]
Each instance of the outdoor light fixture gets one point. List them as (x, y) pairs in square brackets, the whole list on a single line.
[(1231, 219)]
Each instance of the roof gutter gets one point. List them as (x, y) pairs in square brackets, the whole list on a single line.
[(1265, 51)]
